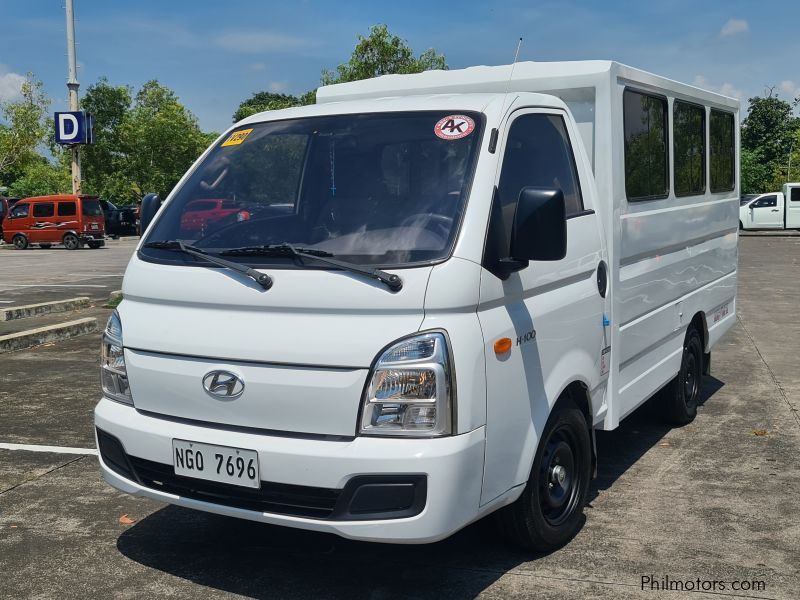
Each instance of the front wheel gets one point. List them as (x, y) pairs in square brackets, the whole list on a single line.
[(71, 241), (20, 242), (549, 512), (682, 394)]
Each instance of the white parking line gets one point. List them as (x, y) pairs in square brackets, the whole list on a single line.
[(56, 449)]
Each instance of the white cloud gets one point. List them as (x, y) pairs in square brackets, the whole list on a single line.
[(259, 66), (278, 86), (789, 88), (734, 27), (726, 89), (10, 84), (257, 41)]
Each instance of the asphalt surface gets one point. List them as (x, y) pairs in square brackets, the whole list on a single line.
[(715, 501)]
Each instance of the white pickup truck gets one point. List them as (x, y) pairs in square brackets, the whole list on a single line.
[(437, 287), (774, 210)]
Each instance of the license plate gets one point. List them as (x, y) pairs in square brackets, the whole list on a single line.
[(94, 226), (216, 463)]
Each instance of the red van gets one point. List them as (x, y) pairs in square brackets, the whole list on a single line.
[(60, 219)]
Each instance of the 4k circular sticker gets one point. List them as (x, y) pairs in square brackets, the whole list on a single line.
[(454, 127)]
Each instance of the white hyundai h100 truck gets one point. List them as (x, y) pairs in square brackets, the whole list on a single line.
[(412, 304), (775, 210)]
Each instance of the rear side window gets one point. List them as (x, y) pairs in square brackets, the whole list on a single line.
[(66, 209), (723, 155), (43, 209), (91, 208), (19, 210), (794, 195), (645, 118), (689, 133)]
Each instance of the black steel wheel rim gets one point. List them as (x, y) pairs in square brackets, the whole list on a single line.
[(560, 476), (71, 242), (691, 378)]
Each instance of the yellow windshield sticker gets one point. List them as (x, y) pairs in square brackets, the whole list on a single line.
[(237, 137)]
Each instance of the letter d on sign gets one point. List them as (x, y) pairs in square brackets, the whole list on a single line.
[(67, 127)]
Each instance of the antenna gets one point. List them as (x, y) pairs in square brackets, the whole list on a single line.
[(514, 64)]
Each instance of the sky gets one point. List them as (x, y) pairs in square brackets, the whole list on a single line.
[(216, 54)]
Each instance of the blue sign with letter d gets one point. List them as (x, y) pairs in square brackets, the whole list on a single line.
[(74, 128)]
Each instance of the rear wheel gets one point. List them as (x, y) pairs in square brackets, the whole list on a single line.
[(682, 394), (20, 242), (550, 510), (71, 241)]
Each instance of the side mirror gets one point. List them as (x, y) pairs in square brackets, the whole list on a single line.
[(150, 205), (539, 230)]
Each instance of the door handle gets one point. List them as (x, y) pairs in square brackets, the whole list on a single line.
[(775, 210)]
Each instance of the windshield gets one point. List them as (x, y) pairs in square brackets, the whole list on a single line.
[(380, 189)]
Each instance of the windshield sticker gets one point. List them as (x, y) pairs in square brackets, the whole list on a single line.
[(237, 137), (454, 127)]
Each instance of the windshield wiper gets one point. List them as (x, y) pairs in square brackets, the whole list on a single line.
[(262, 279), (393, 282)]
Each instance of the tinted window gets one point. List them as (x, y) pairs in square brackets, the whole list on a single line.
[(43, 209), (766, 202), (795, 195), (91, 208), (66, 209), (689, 139), (645, 145), (723, 156), (19, 210)]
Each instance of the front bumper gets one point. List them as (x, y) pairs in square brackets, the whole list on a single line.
[(451, 466)]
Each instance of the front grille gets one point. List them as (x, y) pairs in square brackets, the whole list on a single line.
[(279, 498)]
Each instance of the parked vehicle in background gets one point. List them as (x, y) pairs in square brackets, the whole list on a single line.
[(58, 219), (774, 210), (119, 220), (5, 206), (455, 278)]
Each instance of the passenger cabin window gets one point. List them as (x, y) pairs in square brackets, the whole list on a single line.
[(765, 202), (66, 209), (689, 140), (645, 123), (19, 210), (723, 154), (43, 209)]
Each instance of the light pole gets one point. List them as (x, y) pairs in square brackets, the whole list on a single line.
[(72, 86), (789, 168)]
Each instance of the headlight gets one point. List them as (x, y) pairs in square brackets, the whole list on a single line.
[(410, 392), (113, 376)]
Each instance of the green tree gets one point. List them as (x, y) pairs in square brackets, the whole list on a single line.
[(382, 53), (261, 101), (767, 134), (160, 139), (23, 129), (41, 177), (103, 163)]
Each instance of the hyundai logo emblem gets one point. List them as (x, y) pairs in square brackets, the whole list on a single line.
[(223, 384)]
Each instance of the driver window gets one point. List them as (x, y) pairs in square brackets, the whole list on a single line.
[(19, 210), (766, 202)]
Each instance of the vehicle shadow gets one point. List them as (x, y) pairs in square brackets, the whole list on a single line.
[(265, 561)]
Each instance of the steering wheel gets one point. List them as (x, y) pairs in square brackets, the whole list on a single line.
[(438, 224)]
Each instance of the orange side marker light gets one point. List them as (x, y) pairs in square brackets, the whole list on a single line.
[(502, 345)]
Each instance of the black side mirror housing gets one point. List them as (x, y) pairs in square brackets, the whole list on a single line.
[(150, 205), (539, 230)]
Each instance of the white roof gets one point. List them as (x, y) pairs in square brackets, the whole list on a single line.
[(527, 77)]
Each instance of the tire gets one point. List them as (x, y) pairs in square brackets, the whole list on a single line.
[(71, 241), (45, 246), (94, 245), (549, 512), (741, 226), (20, 242), (682, 395)]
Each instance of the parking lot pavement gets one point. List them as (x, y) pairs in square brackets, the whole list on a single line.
[(38, 275), (713, 501)]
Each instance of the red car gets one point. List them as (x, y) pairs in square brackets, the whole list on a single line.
[(199, 214), (58, 219)]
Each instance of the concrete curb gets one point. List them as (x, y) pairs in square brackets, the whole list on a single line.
[(114, 295), (43, 308), (50, 333)]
